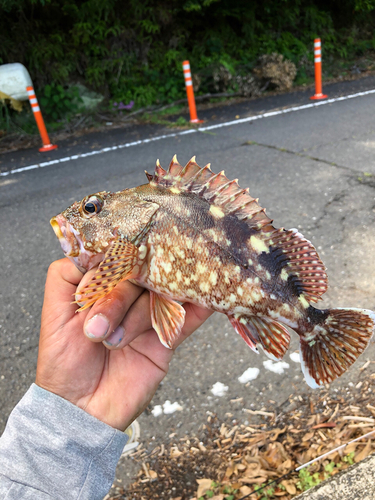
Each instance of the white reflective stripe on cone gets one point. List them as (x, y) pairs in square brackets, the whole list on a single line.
[(317, 44), (186, 66), (188, 75), (318, 59)]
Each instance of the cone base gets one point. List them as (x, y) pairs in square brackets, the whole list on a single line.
[(48, 147), (196, 121), (315, 97)]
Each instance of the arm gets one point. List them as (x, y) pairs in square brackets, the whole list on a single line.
[(64, 436)]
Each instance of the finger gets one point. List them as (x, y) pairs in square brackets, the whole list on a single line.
[(135, 323), (61, 282), (107, 313)]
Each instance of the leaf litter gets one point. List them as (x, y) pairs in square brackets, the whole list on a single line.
[(229, 460)]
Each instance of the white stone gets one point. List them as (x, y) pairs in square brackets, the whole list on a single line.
[(169, 407), (219, 389), (294, 356), (249, 374), (275, 367), (157, 410)]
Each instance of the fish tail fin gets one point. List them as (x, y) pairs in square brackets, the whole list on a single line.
[(338, 337)]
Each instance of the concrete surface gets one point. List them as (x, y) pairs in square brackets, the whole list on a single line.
[(310, 169), (355, 483)]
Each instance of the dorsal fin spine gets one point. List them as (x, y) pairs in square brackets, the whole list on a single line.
[(215, 188)]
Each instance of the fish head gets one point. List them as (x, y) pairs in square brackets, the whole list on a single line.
[(85, 230), (88, 227)]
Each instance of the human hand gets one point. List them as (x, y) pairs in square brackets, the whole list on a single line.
[(113, 381)]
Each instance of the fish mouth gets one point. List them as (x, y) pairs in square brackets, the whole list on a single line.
[(73, 246)]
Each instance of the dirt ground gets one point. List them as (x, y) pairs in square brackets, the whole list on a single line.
[(227, 461)]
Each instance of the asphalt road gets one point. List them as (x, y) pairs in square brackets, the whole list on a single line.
[(313, 169)]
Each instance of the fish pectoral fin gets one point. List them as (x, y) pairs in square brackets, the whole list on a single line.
[(167, 317), (263, 332), (120, 263)]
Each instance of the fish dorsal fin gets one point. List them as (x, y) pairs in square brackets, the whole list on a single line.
[(217, 189)]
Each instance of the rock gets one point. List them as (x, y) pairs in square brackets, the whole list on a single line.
[(273, 69)]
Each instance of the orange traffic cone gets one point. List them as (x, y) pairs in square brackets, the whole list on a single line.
[(190, 93), (318, 71), (47, 146)]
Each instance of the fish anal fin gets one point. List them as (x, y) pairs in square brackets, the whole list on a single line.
[(301, 263), (261, 331), (167, 317), (121, 262), (334, 344)]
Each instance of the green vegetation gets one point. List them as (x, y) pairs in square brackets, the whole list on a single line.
[(131, 50)]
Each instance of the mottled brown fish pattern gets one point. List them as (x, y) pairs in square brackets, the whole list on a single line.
[(190, 235)]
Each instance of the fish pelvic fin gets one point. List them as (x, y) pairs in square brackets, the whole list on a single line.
[(120, 263), (272, 337), (167, 317), (335, 343)]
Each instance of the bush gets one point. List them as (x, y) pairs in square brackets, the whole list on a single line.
[(58, 102), (131, 50)]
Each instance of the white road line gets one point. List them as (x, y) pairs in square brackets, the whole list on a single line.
[(190, 131)]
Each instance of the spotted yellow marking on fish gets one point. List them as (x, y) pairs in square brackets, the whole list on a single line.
[(213, 278), (258, 245), (190, 235), (303, 302), (201, 268), (216, 211)]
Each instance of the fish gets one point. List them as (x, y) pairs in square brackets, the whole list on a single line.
[(190, 235)]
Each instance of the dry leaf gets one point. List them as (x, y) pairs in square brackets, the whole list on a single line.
[(275, 433), (307, 436), (285, 466), (204, 486), (153, 474), (326, 424), (252, 470), (280, 493), (364, 453), (218, 497), (350, 448), (230, 470), (175, 452), (245, 490), (289, 486), (254, 480)]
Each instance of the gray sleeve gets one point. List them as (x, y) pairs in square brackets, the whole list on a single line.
[(52, 449)]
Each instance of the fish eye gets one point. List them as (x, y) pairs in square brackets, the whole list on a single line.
[(92, 205)]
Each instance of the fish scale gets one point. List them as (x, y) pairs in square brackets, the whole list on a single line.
[(191, 235)]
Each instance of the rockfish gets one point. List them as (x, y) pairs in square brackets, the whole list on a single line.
[(190, 235)]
